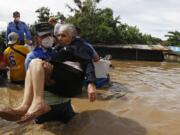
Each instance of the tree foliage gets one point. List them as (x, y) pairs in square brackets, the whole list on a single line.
[(43, 14), (60, 16), (100, 26), (173, 38), (2, 41)]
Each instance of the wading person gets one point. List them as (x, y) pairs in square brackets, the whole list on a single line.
[(20, 28), (95, 56), (70, 63), (14, 57), (61, 109), (55, 24)]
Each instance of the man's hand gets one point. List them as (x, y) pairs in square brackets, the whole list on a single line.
[(48, 68), (29, 42), (91, 92)]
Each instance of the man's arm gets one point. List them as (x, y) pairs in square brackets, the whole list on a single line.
[(88, 68), (26, 30), (91, 92)]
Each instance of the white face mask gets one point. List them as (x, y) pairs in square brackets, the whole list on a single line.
[(47, 42)]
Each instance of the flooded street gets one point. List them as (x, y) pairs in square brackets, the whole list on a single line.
[(142, 100)]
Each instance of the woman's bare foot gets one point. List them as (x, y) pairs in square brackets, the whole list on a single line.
[(34, 111), (21, 110)]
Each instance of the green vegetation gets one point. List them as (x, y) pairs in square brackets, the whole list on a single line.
[(2, 36), (99, 26), (44, 14), (2, 41), (173, 38)]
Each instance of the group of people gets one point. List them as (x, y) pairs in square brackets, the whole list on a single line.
[(59, 63)]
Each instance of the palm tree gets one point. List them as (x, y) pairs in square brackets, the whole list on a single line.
[(173, 38)]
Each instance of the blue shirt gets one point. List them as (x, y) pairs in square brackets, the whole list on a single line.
[(20, 28), (92, 48), (38, 52)]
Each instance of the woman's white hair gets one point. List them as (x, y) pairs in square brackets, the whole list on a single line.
[(70, 29)]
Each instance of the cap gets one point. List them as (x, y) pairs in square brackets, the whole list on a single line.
[(42, 28), (13, 38)]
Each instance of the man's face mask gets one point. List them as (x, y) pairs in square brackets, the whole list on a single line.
[(17, 19), (47, 42)]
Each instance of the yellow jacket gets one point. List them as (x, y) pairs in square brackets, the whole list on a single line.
[(16, 62)]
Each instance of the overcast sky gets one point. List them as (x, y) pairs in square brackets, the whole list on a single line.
[(155, 17)]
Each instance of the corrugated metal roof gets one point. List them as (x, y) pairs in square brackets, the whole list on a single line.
[(137, 46)]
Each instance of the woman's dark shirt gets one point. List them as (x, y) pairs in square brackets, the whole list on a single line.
[(76, 52)]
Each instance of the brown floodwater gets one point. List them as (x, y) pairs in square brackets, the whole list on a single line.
[(143, 99)]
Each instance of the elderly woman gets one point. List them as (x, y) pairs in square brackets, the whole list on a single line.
[(71, 63)]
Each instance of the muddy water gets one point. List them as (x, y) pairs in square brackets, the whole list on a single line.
[(142, 100)]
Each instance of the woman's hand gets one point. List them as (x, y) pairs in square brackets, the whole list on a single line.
[(91, 92)]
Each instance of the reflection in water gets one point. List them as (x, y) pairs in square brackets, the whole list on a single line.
[(142, 100), (100, 122), (115, 91)]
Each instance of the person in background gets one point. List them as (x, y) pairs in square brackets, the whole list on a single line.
[(55, 24), (95, 56), (14, 58), (20, 28)]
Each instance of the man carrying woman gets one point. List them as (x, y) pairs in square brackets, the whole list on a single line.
[(70, 63)]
